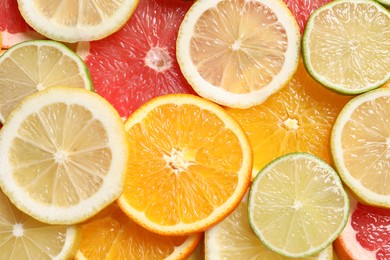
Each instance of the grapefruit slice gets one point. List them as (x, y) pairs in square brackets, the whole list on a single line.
[(302, 9), (13, 28), (366, 235), (139, 62)]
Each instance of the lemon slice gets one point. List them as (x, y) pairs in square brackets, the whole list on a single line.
[(346, 45), (237, 53), (63, 155), (360, 145), (233, 238), (23, 237), (31, 66), (76, 20), (297, 205)]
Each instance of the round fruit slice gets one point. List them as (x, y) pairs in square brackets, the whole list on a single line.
[(302, 9), (233, 238), (23, 237), (297, 205), (35, 65), (63, 155), (360, 144), (130, 70), (342, 52), (190, 165), (76, 20), (237, 53), (113, 235), (366, 235), (299, 118)]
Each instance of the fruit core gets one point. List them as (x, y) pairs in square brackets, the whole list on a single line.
[(178, 160), (18, 230), (60, 157), (291, 124), (158, 59)]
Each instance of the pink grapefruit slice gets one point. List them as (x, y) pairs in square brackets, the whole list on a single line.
[(366, 235), (13, 28), (138, 62), (301, 9)]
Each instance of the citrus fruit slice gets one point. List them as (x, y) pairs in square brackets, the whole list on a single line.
[(342, 52), (190, 164), (360, 144), (113, 235), (35, 65), (23, 237), (302, 9), (366, 235), (233, 238), (298, 118), (129, 71), (297, 205), (13, 28), (63, 155), (237, 53), (80, 20)]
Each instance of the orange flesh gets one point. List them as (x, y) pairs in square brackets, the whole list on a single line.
[(183, 162), (248, 44), (112, 235), (366, 142)]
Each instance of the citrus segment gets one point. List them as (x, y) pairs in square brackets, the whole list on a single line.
[(112, 235), (138, 62), (190, 164), (366, 235), (237, 53), (298, 118), (361, 146), (32, 66), (302, 9), (80, 20), (63, 154), (23, 237), (342, 52), (297, 205), (233, 238)]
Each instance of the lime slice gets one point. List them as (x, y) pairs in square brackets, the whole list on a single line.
[(76, 20), (35, 65), (297, 205), (360, 145), (233, 238), (23, 237), (346, 45), (63, 155)]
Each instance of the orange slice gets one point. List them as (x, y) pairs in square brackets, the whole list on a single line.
[(113, 235), (237, 53), (190, 164), (298, 118)]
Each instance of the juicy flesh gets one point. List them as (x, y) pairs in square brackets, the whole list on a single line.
[(22, 236), (77, 13), (55, 69), (184, 164), (112, 235), (247, 43), (298, 118), (366, 145), (350, 45), (301, 202), (59, 158)]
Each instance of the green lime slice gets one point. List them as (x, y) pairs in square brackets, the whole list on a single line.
[(346, 45), (35, 65), (297, 205)]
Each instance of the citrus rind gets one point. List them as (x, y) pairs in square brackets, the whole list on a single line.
[(112, 185), (221, 96), (41, 16), (280, 207), (335, 55), (362, 193)]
